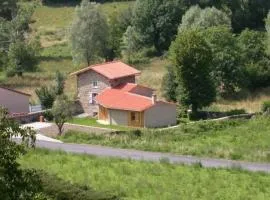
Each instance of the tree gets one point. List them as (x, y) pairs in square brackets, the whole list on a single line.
[(89, 33), (46, 96), (62, 112), (22, 57), (244, 13), (156, 22), (15, 183), (130, 44), (195, 17), (267, 27), (8, 8), (191, 56), (170, 84), (118, 24), (59, 83), (227, 69), (254, 58)]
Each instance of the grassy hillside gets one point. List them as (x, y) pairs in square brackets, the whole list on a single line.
[(150, 181), (238, 140)]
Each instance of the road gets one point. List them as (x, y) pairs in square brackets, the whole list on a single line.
[(152, 156)]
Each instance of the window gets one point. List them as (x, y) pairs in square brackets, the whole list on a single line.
[(93, 98), (95, 84), (133, 116)]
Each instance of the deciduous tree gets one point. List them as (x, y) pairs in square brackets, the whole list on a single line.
[(227, 69), (16, 183), (62, 112), (156, 21), (89, 33), (191, 56), (195, 17)]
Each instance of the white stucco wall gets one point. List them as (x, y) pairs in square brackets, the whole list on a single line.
[(118, 117), (14, 102), (160, 115)]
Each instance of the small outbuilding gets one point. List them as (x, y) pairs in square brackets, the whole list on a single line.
[(134, 105), (15, 101)]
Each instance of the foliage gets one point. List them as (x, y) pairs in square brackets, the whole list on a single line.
[(48, 115), (15, 183), (244, 14), (62, 111), (130, 44), (156, 22), (60, 189), (267, 27), (191, 56), (227, 69), (254, 58), (46, 96), (118, 24), (247, 14), (8, 9), (266, 106), (196, 17), (59, 83), (88, 34), (218, 139), (153, 180), (22, 57), (170, 84)]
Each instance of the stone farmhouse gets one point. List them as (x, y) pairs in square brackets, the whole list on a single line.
[(109, 91)]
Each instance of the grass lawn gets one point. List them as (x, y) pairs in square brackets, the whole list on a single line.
[(237, 140), (151, 181), (87, 121)]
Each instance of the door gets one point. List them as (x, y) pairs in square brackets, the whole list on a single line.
[(136, 119)]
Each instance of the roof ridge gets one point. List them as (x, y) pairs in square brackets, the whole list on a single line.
[(13, 90), (139, 95)]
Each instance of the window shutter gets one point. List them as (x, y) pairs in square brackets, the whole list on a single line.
[(91, 98)]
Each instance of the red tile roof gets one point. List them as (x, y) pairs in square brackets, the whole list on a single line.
[(122, 98), (16, 91), (111, 70), (129, 87)]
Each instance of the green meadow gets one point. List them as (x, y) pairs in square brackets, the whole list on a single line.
[(134, 180)]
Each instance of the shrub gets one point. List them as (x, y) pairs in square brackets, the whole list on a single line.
[(46, 96), (59, 189), (137, 133), (48, 115), (266, 106), (236, 112)]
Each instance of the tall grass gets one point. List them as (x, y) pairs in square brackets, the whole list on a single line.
[(238, 139), (151, 181)]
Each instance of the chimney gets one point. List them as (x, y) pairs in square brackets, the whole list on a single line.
[(154, 98)]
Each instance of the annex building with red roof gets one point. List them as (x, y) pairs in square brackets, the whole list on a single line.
[(109, 91)]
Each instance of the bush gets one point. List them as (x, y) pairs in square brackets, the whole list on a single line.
[(236, 112), (59, 189), (266, 106), (48, 115)]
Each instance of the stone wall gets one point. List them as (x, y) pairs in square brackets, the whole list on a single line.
[(27, 118)]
